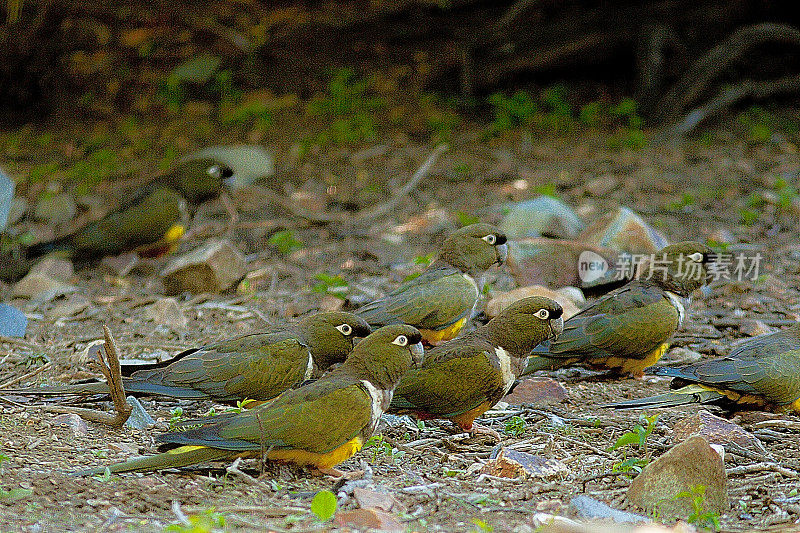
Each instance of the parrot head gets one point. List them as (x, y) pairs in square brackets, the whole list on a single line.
[(474, 248)]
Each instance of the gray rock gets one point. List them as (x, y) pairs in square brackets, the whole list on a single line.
[(248, 162), (754, 328), (73, 421), (13, 322), (73, 305), (679, 356), (541, 216), (688, 465), (514, 464), (213, 267), (40, 287), (56, 268), (623, 230), (56, 209), (590, 509), (716, 430), (538, 391), (166, 312), (6, 195), (140, 418)]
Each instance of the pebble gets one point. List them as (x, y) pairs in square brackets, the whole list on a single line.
[(54, 267), (716, 430), (73, 421), (166, 312), (538, 391), (515, 464), (140, 418), (588, 508), (55, 209), (754, 328), (13, 322)]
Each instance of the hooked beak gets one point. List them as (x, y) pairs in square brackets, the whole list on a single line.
[(230, 181), (556, 327), (502, 253), (417, 354)]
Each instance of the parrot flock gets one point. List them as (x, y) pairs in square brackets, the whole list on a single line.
[(300, 375)]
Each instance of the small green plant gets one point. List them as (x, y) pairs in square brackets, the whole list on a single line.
[(631, 134), (465, 219), (34, 359), (324, 505), (641, 431), (515, 426), (700, 516), (349, 107), (555, 113), (482, 526), (511, 112), (175, 417), (786, 193), (209, 521), (15, 494), (381, 448), (333, 285), (630, 465), (285, 242), (240, 406), (759, 124), (687, 199), (3, 459), (748, 217), (546, 189)]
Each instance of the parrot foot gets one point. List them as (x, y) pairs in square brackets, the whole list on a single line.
[(479, 430), (337, 474)]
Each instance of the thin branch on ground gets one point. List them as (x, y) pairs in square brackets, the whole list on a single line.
[(23, 377)]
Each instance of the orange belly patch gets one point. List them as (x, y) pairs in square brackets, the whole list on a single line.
[(635, 367), (434, 336), (465, 420), (319, 460)]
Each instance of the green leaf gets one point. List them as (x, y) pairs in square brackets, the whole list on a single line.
[(324, 505), (626, 439), (199, 69), (15, 494)]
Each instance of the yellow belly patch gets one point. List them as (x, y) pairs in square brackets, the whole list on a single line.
[(635, 367), (319, 460), (434, 336), (465, 420), (794, 406)]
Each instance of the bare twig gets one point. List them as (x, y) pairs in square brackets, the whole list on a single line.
[(699, 76), (762, 467), (26, 376), (247, 478), (779, 423), (732, 95), (404, 191)]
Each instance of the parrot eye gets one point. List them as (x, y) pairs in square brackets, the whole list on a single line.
[(400, 340), (214, 171), (697, 257), (491, 238), (543, 314), (345, 329)]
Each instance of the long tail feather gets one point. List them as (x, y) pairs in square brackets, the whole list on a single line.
[(176, 458), (683, 396), (536, 362)]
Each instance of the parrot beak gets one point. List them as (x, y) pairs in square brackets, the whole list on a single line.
[(556, 327), (417, 354), (502, 253), (230, 181)]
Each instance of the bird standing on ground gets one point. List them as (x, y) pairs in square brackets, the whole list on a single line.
[(442, 299), (258, 366), (627, 329), (320, 424), (463, 378), (762, 372)]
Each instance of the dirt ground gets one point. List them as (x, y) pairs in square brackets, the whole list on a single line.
[(430, 470)]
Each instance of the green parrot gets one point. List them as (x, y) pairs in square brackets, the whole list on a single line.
[(463, 378), (152, 221), (320, 424), (762, 372), (258, 366), (627, 329), (441, 299)]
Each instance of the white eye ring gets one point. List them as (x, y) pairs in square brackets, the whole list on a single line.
[(401, 340), (345, 329), (544, 314), (697, 257), (214, 171), (491, 238)]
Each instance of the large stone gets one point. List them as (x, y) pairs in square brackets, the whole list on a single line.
[(556, 263), (382, 501), (56, 209), (538, 391), (6, 195), (686, 466), (623, 230), (40, 287), (13, 322), (541, 216), (515, 464), (248, 162), (54, 267), (715, 430), (368, 520), (503, 299), (213, 267)]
